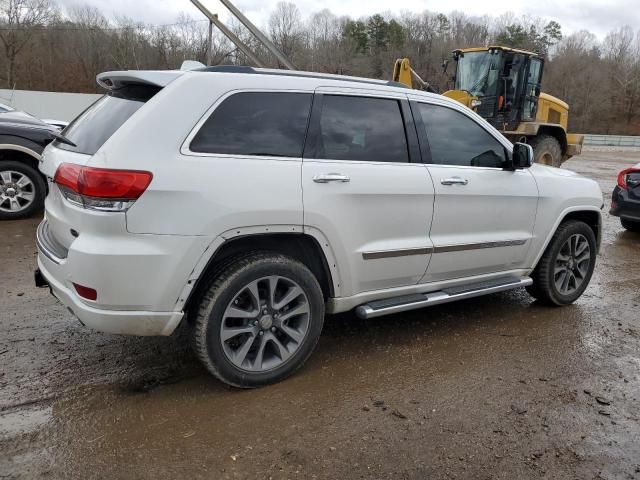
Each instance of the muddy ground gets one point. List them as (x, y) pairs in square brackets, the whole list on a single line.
[(494, 387)]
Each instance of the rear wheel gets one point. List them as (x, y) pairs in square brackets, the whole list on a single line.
[(630, 225), (259, 320), (547, 150), (565, 269), (22, 190)]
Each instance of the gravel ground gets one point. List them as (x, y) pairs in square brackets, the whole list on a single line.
[(493, 387)]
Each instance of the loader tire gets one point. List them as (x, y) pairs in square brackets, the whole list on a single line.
[(547, 150)]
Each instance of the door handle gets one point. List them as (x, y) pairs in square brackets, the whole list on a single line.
[(331, 177), (454, 181)]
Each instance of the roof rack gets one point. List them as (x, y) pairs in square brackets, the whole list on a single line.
[(296, 73)]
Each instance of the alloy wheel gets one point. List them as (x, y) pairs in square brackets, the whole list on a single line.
[(265, 323), (17, 191), (572, 264)]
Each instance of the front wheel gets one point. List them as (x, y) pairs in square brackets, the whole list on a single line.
[(565, 269), (259, 320), (22, 190)]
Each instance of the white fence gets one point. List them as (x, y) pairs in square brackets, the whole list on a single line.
[(50, 105), (612, 140)]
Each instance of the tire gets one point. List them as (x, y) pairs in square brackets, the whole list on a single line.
[(14, 191), (547, 150), (549, 271), (268, 343), (630, 225)]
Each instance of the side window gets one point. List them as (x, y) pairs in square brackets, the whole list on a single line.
[(361, 128), (532, 89), (455, 139), (256, 123)]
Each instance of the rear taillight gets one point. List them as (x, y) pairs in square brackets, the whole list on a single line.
[(622, 177), (101, 188)]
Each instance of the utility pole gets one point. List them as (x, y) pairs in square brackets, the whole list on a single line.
[(213, 20), (258, 34), (210, 45), (268, 44)]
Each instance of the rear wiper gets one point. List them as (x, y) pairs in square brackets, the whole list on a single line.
[(63, 139)]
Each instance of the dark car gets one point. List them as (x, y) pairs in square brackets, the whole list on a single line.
[(625, 201), (22, 186)]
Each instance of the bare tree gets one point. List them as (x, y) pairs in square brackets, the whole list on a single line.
[(285, 27), (18, 20)]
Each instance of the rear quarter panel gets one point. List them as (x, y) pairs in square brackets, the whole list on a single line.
[(194, 194)]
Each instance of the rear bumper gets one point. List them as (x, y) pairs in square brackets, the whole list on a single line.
[(138, 278), (623, 206), (111, 321)]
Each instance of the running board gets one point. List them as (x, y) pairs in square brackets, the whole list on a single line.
[(419, 300)]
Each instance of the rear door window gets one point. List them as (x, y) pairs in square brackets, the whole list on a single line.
[(455, 139), (92, 128), (361, 128), (256, 123)]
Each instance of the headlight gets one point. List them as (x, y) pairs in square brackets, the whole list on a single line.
[(475, 103)]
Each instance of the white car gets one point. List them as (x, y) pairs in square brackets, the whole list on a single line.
[(249, 203)]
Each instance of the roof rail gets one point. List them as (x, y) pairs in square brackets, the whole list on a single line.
[(295, 73)]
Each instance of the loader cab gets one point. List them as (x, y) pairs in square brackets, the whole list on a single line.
[(501, 84)]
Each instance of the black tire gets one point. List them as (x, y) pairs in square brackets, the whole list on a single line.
[(544, 287), (547, 150), (630, 225), (39, 189), (225, 286)]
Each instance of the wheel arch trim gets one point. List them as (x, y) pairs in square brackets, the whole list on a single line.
[(214, 247), (20, 148), (563, 215)]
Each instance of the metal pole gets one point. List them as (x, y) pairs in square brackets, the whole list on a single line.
[(258, 34), (210, 45), (239, 43), (228, 33)]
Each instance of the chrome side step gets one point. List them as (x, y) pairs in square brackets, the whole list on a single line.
[(419, 300)]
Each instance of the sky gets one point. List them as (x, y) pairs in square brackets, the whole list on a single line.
[(597, 16)]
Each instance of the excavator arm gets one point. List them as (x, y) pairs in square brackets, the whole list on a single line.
[(403, 73)]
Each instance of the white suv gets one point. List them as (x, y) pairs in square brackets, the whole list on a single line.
[(249, 202)]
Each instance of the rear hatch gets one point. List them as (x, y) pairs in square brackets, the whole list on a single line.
[(93, 127), (68, 211)]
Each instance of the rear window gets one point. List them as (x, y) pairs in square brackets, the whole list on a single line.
[(97, 123), (363, 129), (256, 123)]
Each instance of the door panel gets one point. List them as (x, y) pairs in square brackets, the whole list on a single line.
[(377, 223), (374, 206), (484, 226), (483, 213)]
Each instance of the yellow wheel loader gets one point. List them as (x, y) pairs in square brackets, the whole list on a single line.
[(503, 86)]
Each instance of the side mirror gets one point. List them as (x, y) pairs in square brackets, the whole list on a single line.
[(522, 156)]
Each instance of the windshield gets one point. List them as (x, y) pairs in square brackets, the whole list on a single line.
[(92, 128), (477, 73)]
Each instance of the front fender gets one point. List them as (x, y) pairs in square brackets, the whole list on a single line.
[(562, 192)]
